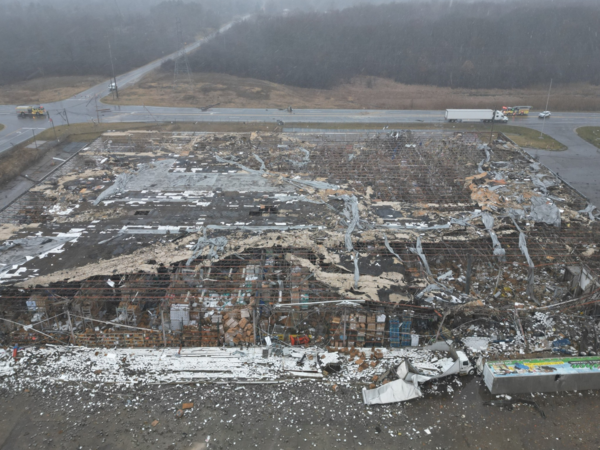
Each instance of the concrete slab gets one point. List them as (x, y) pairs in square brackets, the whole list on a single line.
[(36, 144)]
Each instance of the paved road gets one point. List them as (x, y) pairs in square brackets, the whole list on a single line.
[(578, 165), (79, 108)]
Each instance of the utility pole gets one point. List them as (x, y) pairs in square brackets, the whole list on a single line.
[(96, 103), (54, 129), (67, 117), (113, 70), (547, 101), (181, 60), (34, 139), (492, 132)]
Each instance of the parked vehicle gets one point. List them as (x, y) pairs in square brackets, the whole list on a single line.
[(30, 111), (475, 115), (545, 115), (465, 366), (461, 366)]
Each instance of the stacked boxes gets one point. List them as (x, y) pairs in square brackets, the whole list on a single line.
[(191, 336), (212, 330), (375, 330), (361, 320), (348, 330), (336, 332), (129, 313), (136, 339)]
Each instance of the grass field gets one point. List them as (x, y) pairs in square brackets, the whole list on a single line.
[(83, 132), (590, 134), (528, 138), (156, 89), (46, 90)]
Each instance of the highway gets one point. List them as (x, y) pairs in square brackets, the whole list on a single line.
[(579, 165)]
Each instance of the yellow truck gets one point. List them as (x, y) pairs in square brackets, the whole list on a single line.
[(516, 110), (31, 111)]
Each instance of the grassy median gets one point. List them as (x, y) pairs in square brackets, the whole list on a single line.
[(590, 134), (524, 137), (84, 132)]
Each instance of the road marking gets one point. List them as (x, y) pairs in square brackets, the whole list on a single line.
[(17, 133)]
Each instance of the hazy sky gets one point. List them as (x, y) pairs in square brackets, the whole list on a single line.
[(127, 7)]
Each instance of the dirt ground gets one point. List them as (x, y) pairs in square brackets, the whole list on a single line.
[(45, 90), (298, 415), (156, 89)]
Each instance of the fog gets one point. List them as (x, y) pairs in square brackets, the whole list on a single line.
[(311, 43)]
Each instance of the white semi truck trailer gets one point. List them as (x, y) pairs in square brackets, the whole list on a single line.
[(475, 115)]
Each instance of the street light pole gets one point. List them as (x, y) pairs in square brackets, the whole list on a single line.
[(492, 132), (96, 103), (547, 101), (54, 129), (113, 69)]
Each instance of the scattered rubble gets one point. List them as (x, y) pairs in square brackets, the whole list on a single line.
[(302, 245)]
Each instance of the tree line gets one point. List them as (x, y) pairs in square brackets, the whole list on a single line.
[(38, 39), (482, 45)]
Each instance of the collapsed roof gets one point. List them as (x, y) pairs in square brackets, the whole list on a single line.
[(429, 218)]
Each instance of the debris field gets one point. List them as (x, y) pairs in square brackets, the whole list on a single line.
[(272, 251)]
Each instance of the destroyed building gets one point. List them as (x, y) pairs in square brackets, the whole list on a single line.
[(343, 240)]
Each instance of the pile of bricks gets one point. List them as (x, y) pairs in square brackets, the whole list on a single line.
[(238, 327), (359, 358)]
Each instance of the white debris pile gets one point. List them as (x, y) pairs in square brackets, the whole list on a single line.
[(544, 332), (60, 210), (5, 364), (62, 364), (146, 366), (376, 363), (476, 344), (543, 321)]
